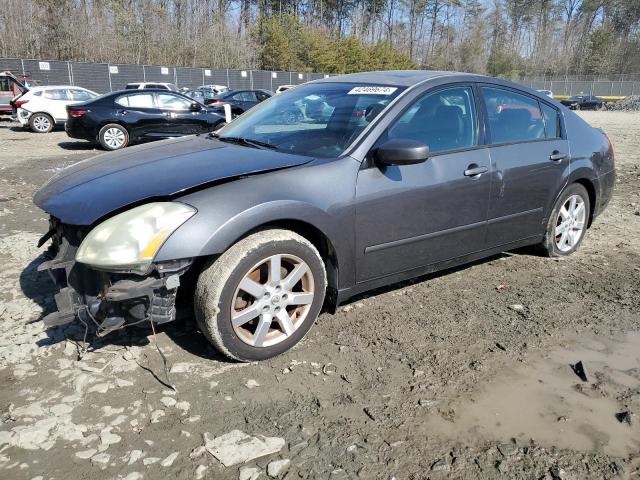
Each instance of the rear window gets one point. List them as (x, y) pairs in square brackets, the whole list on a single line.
[(132, 86), (551, 121), (56, 94), (143, 100), (513, 117)]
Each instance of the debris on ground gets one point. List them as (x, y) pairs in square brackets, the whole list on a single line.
[(237, 447), (580, 371)]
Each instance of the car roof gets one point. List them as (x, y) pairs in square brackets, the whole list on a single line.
[(403, 78)]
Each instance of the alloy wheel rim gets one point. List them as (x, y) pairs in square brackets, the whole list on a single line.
[(570, 223), (41, 123), (272, 300), (114, 137)]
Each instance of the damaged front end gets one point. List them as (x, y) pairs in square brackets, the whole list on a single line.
[(109, 299)]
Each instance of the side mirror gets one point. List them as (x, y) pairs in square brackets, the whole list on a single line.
[(195, 107), (401, 151)]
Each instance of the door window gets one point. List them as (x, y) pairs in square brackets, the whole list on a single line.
[(551, 121), (261, 96), (443, 120), (5, 86), (143, 100), (81, 95), (56, 94), (166, 101), (512, 117), (244, 97)]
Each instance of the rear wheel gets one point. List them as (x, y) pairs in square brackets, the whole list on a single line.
[(113, 137), (41, 123), (261, 296), (568, 222)]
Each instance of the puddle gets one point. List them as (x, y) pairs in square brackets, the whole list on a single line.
[(547, 402)]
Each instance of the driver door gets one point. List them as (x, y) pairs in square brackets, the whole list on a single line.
[(411, 216)]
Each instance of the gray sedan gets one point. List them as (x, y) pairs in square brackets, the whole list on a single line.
[(259, 226)]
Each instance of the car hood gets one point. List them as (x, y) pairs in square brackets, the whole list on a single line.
[(93, 188)]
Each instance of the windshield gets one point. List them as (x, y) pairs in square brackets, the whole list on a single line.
[(317, 119)]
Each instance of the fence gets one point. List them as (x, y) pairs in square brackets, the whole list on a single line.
[(103, 77), (614, 85)]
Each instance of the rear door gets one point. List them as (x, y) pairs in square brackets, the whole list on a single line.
[(6, 94), (138, 112), (529, 157), (55, 103)]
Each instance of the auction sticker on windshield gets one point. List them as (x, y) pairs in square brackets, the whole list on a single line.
[(372, 90)]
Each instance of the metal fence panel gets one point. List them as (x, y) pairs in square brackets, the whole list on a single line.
[(239, 79), (13, 65), (94, 76), (214, 76), (51, 72), (298, 77), (281, 78), (156, 73), (188, 77), (122, 74), (261, 79)]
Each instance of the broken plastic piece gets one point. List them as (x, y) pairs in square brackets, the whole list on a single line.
[(579, 370)]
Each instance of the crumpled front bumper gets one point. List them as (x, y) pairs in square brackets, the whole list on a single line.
[(110, 300)]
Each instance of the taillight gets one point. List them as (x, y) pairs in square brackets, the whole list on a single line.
[(77, 112), (19, 103), (613, 152)]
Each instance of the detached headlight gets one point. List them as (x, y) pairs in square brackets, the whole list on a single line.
[(131, 239)]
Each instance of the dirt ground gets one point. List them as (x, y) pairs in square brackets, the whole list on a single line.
[(465, 374)]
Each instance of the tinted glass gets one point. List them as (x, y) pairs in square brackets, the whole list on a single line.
[(443, 120), (83, 95), (319, 120), (5, 86), (512, 117), (143, 100), (132, 86), (172, 102), (56, 94), (244, 97), (551, 121), (262, 96)]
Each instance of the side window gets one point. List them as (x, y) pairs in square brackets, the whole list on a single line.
[(245, 97), (172, 102), (443, 120), (143, 100), (551, 121), (261, 96), (80, 94), (56, 94), (512, 117), (5, 86)]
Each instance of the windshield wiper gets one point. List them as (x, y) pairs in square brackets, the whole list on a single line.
[(245, 141)]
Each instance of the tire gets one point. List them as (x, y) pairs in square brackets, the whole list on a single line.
[(553, 244), (41, 123), (113, 136), (218, 292)]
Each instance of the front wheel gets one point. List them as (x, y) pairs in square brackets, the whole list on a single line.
[(568, 222), (113, 137), (261, 297)]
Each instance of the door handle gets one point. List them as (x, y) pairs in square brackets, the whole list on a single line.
[(556, 156), (474, 170)]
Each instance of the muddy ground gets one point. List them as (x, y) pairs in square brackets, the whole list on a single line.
[(463, 374)]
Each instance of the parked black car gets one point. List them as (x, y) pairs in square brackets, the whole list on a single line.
[(261, 224), (583, 102), (240, 100), (118, 119)]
